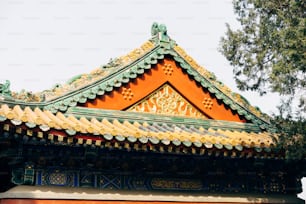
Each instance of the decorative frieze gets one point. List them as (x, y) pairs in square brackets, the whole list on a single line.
[(208, 182), (101, 169), (176, 184)]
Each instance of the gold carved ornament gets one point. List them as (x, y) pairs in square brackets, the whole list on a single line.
[(127, 93), (160, 183), (168, 69), (207, 102), (167, 101)]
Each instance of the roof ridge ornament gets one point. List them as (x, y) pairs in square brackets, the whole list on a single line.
[(159, 31), (5, 89)]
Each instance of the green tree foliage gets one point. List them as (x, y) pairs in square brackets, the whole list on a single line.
[(268, 52), (292, 132), (291, 137)]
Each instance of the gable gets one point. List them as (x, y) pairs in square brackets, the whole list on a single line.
[(127, 80), (165, 71)]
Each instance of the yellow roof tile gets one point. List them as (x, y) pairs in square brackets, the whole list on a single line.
[(89, 127), (8, 113), (77, 125), (18, 112), (167, 133), (29, 115), (44, 117)]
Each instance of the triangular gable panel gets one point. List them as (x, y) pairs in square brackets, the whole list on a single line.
[(168, 101), (167, 70)]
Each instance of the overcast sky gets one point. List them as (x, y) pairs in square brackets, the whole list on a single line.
[(44, 42)]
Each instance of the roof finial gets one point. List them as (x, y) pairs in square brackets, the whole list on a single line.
[(154, 29), (160, 31)]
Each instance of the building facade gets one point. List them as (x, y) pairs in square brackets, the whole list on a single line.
[(150, 126)]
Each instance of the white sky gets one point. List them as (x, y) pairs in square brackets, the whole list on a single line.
[(44, 42)]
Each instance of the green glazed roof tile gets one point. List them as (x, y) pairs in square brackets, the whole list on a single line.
[(44, 127), (228, 147), (117, 83), (154, 140), (100, 93), (95, 89), (208, 145), (63, 108), (2, 118), (165, 142), (120, 138), (125, 79), (70, 132), (102, 86), (109, 87), (143, 140), (30, 125), (187, 143), (108, 136), (140, 70), (239, 147), (132, 139), (132, 74), (197, 144), (176, 142), (82, 99), (218, 146)]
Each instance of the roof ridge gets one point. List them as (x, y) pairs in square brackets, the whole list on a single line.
[(76, 82), (159, 118)]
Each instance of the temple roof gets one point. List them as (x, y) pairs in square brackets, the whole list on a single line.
[(124, 69), (63, 114)]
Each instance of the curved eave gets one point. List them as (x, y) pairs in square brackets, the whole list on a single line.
[(142, 144), (139, 132)]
